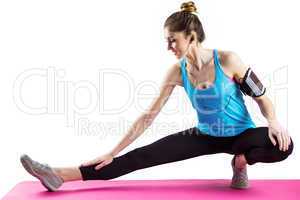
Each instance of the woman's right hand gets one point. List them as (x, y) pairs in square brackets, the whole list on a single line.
[(101, 161)]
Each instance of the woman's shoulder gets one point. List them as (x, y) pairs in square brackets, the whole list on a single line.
[(177, 72), (227, 57), (173, 75), (231, 62)]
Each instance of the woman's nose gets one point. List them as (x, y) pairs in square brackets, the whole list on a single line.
[(169, 47)]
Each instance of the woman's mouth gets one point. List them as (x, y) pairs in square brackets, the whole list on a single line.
[(175, 52)]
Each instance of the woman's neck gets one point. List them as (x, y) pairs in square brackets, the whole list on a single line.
[(202, 57)]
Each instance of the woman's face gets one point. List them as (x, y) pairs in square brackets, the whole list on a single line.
[(177, 42)]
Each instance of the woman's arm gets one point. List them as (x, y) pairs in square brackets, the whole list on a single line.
[(171, 79), (237, 69), (266, 107)]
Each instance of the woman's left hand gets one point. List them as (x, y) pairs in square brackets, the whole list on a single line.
[(283, 138)]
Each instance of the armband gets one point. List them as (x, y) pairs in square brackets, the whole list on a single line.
[(251, 85)]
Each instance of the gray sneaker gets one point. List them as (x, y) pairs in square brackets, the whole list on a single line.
[(43, 172), (240, 177)]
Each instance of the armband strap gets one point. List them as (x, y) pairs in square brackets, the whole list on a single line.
[(251, 85)]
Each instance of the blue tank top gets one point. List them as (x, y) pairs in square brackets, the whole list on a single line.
[(221, 110)]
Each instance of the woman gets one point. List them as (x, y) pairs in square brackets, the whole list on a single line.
[(215, 82)]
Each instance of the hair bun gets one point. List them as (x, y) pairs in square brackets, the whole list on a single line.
[(188, 7)]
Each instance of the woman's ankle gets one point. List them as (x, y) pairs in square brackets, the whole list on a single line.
[(68, 174), (240, 161)]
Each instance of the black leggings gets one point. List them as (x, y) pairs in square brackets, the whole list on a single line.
[(254, 143)]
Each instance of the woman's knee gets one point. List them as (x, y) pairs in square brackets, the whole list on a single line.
[(290, 149), (285, 154)]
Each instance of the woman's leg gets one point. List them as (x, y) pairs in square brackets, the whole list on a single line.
[(179, 146), (68, 173), (256, 146)]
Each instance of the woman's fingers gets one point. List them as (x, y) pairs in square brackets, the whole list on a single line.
[(287, 139), (105, 162), (272, 139), (282, 141), (86, 164), (100, 166), (100, 161), (92, 162), (280, 138), (284, 145)]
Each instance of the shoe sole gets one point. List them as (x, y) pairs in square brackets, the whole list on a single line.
[(25, 160), (239, 187)]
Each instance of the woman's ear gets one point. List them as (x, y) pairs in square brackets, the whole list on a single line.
[(193, 37)]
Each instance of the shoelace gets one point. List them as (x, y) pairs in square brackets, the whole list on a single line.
[(40, 165), (240, 175)]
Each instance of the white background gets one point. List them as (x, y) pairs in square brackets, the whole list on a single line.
[(78, 39)]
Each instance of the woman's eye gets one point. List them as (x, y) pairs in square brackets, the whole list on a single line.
[(171, 40)]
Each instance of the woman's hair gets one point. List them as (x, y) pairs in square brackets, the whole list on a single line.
[(186, 20)]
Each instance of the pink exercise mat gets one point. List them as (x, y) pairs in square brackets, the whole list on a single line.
[(158, 190)]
